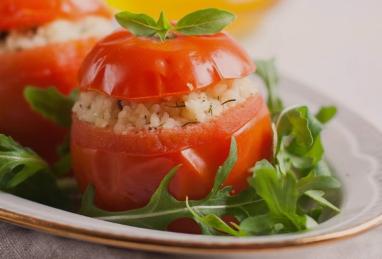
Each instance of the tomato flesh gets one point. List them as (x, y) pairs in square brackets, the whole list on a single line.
[(52, 65), (140, 68), (23, 14), (125, 176)]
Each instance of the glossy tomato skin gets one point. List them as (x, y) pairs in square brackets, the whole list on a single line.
[(23, 14), (125, 172), (53, 65), (140, 68)]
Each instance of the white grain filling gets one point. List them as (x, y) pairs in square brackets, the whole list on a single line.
[(196, 107), (57, 31)]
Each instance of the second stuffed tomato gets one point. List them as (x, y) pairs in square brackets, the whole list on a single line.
[(42, 44), (148, 105)]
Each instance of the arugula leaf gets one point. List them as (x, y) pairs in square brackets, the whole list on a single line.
[(326, 113), (51, 104), (205, 21), (17, 163), (211, 221), (317, 182), (264, 224), (25, 174), (299, 143), (318, 196), (266, 70), (280, 193), (138, 24)]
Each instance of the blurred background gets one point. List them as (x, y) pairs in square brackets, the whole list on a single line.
[(333, 46)]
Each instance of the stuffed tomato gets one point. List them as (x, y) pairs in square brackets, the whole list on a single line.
[(42, 44), (148, 105)]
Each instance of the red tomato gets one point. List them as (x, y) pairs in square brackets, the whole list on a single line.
[(126, 169), (129, 67), (21, 14), (52, 65)]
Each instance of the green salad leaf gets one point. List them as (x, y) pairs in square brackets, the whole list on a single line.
[(280, 193), (326, 113), (51, 104), (26, 174), (56, 107), (267, 71), (201, 22), (17, 163)]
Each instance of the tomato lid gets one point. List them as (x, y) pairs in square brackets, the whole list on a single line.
[(22, 14), (128, 67)]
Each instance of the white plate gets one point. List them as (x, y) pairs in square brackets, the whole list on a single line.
[(354, 149)]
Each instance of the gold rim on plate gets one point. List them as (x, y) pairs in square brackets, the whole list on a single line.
[(173, 247)]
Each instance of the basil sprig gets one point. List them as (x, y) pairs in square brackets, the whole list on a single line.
[(201, 22)]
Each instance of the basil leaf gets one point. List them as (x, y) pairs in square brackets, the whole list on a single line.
[(51, 104), (326, 113), (266, 70), (205, 21), (138, 24), (164, 26)]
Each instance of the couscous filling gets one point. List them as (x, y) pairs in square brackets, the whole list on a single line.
[(171, 112), (55, 32)]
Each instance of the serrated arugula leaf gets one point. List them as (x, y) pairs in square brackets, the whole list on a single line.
[(264, 224), (205, 21), (51, 104), (280, 193), (318, 196), (17, 163), (299, 142), (211, 223), (138, 24), (317, 182), (326, 113), (25, 174), (267, 71)]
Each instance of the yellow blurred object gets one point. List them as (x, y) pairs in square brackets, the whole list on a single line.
[(249, 12)]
